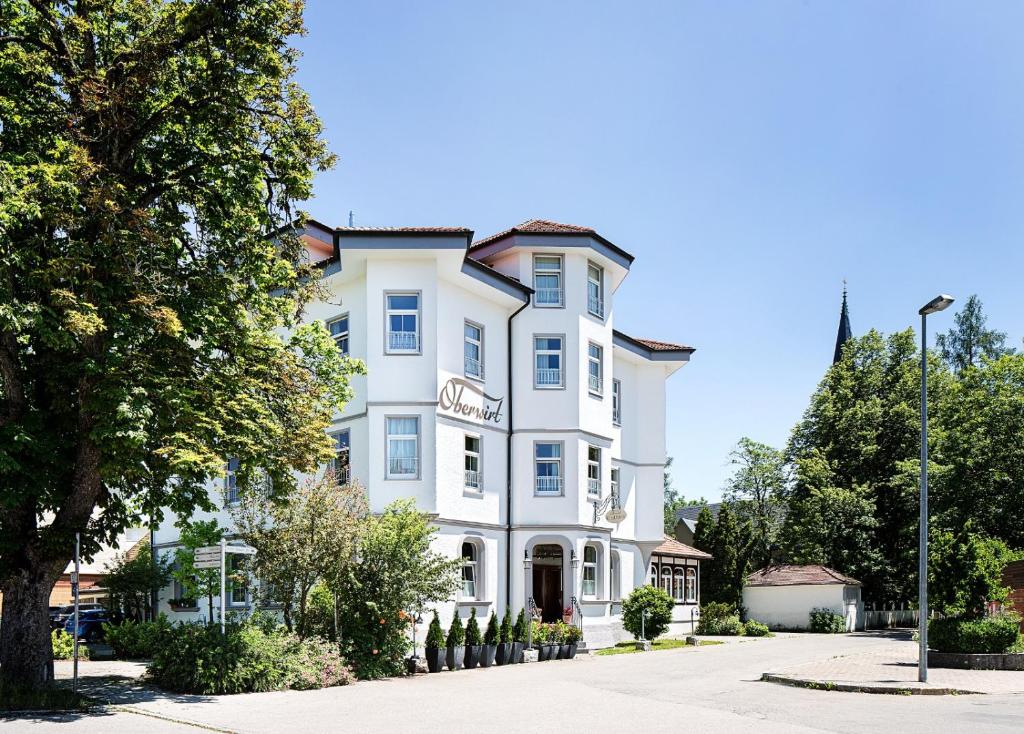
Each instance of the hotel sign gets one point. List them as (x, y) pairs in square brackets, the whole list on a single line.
[(480, 406)]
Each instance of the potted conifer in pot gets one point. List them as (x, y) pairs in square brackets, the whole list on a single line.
[(456, 651), (519, 637), (504, 653), (474, 642), (490, 648), (573, 635), (435, 645)]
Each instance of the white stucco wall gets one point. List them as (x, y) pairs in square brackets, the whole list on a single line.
[(789, 607)]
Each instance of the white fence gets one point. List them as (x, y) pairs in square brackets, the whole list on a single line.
[(881, 619)]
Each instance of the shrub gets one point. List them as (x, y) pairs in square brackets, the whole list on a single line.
[(491, 635), (719, 618), (658, 605), (505, 631), (519, 630), (473, 630), (573, 634), (456, 632), (753, 628), (999, 634), (64, 646), (435, 635), (134, 640), (197, 658), (556, 633), (828, 621)]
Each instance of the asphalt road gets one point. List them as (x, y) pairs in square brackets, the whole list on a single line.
[(696, 689)]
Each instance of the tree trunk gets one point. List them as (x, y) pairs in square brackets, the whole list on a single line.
[(26, 654)]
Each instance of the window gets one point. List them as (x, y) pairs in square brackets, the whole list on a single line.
[(616, 577), (615, 484), (403, 322), (237, 588), (340, 463), (547, 354), (589, 571), (652, 579), (339, 330), (403, 447), (181, 592), (595, 290), (593, 471), (472, 462), (617, 402), (666, 579), (595, 368), (474, 350), (470, 565), (677, 585), (548, 460), (231, 482), (547, 280), (691, 585)]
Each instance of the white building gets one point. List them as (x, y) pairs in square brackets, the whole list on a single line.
[(783, 597), (500, 396)]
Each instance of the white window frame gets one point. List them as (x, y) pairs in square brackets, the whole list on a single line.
[(537, 385), (232, 561), (666, 579), (590, 569), (341, 338), (473, 483), (691, 575), (593, 471), (552, 488), (343, 475), (616, 402), (616, 473), (679, 584), (389, 312), (389, 474), (652, 575), (595, 301), (467, 342), (231, 482), (595, 383), (472, 566), (542, 295)]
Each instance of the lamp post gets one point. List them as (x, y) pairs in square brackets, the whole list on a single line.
[(527, 565), (939, 303)]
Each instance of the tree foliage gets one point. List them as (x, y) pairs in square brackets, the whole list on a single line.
[(965, 571), (152, 155), (656, 603), (728, 542), (132, 580), (758, 490), (970, 341)]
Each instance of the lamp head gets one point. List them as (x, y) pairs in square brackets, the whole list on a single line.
[(940, 303)]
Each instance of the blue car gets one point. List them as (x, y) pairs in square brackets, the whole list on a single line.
[(90, 624)]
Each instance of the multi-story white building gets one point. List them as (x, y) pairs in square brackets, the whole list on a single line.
[(500, 396)]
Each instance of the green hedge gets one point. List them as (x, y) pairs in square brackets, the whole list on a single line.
[(719, 618), (249, 657), (828, 621), (997, 634), (64, 646), (137, 640), (753, 628)]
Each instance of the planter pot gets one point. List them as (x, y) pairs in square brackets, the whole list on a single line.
[(567, 618), (503, 655), (573, 646), (544, 652), (563, 652), (517, 652), (455, 657), (435, 659), (472, 656), (487, 655)]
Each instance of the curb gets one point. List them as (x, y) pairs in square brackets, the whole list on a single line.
[(884, 689)]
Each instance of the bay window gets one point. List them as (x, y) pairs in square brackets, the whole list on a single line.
[(403, 447), (548, 468), (547, 281), (402, 323)]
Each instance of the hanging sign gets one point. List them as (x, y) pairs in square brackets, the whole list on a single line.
[(454, 396), (615, 515)]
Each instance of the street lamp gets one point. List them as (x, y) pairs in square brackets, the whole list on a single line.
[(939, 303)]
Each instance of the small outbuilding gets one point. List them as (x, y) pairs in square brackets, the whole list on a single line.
[(783, 596)]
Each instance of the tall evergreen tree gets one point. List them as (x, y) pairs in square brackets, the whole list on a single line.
[(969, 340)]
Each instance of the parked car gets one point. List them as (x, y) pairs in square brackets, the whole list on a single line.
[(90, 623), (59, 615)]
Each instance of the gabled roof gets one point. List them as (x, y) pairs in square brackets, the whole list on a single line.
[(811, 575), (549, 228), (651, 349), (672, 547)]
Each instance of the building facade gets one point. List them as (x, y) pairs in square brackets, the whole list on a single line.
[(501, 398)]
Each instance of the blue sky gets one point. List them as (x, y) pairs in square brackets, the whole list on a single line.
[(750, 155)]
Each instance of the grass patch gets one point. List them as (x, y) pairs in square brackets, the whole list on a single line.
[(52, 698), (625, 648)]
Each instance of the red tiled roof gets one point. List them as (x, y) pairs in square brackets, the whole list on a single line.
[(672, 547), (658, 346), (537, 226), (787, 575)]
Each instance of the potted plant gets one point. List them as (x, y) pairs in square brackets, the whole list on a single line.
[(456, 643), (435, 645), (573, 635), (557, 637), (519, 636), (504, 653), (474, 642), (490, 648), (567, 615), (541, 640)]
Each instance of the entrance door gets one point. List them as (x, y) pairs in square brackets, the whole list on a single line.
[(547, 591)]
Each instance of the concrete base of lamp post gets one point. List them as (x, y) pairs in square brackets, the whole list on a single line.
[(691, 640), (530, 655), (644, 645)]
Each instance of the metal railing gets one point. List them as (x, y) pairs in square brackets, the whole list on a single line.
[(594, 487), (474, 368), (549, 485), (403, 340), (595, 383), (548, 296), (549, 377), (472, 479), (595, 306), (403, 466)]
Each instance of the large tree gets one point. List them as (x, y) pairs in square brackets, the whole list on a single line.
[(970, 339), (152, 153), (758, 489)]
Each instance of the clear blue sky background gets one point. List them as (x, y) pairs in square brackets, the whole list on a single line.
[(751, 156)]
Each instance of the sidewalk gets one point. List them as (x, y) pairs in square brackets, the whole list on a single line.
[(892, 668)]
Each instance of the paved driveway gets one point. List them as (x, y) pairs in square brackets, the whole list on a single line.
[(695, 689)]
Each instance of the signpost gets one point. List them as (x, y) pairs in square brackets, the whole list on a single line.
[(215, 556)]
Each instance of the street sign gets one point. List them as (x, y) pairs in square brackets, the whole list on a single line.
[(245, 550), (207, 563), (208, 549)]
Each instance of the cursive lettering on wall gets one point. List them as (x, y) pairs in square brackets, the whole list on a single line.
[(451, 399)]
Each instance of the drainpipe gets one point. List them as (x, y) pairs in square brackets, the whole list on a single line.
[(508, 467)]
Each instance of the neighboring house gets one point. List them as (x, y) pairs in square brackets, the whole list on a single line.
[(686, 520), (782, 597), (675, 567), (459, 337)]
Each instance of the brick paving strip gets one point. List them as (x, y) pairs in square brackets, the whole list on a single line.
[(893, 669)]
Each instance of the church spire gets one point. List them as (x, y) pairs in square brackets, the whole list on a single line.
[(845, 333)]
